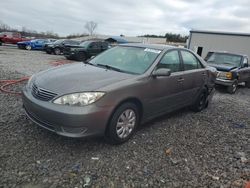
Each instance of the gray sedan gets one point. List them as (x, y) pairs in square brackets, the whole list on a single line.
[(116, 91)]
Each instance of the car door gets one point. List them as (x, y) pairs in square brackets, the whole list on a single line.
[(166, 91), (39, 44), (244, 71), (194, 76)]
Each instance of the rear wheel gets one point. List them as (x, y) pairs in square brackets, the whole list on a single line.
[(57, 51), (28, 47), (123, 123), (201, 102), (232, 89)]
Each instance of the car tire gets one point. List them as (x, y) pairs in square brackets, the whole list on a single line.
[(233, 88), (28, 47), (57, 51), (81, 57), (201, 102), (123, 123)]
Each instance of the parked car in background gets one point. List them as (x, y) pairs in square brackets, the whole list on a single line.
[(11, 37), (232, 69), (84, 50), (36, 44), (117, 90), (48, 43), (58, 46)]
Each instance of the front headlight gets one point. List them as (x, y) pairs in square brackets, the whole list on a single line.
[(225, 75), (31, 81), (79, 99)]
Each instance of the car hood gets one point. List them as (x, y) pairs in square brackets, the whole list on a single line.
[(77, 77), (222, 67)]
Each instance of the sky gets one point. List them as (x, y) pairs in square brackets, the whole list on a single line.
[(127, 17)]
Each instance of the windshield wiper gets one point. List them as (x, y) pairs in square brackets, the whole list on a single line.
[(87, 62), (110, 67)]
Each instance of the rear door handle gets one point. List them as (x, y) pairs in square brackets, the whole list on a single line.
[(203, 74)]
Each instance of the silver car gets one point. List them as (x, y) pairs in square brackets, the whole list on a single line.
[(117, 90)]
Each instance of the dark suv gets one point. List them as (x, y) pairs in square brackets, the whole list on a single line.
[(58, 46), (232, 69), (85, 50)]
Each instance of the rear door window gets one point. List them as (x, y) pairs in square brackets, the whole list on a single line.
[(190, 62)]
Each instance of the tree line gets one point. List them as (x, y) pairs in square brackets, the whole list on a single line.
[(25, 32)]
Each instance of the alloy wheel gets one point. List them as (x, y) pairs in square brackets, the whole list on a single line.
[(57, 51), (126, 123)]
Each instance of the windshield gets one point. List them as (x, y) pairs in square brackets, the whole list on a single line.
[(228, 59), (85, 43), (132, 60)]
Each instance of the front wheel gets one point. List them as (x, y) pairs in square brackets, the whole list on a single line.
[(57, 51), (123, 123), (28, 47), (81, 57), (232, 89)]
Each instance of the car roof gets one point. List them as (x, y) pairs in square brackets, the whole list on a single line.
[(154, 46)]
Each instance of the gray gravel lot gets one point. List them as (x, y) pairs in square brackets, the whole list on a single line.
[(25, 62), (182, 149)]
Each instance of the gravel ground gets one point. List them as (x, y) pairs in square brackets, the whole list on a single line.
[(26, 62), (182, 149)]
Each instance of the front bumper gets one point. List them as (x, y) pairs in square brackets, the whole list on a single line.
[(67, 121), (223, 82), (70, 55)]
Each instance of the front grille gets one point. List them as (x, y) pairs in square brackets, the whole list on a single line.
[(42, 94)]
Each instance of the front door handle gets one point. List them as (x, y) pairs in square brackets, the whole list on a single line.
[(180, 80)]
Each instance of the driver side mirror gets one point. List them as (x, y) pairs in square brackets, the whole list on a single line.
[(161, 72), (245, 64)]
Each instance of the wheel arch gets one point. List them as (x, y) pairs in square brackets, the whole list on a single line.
[(133, 100)]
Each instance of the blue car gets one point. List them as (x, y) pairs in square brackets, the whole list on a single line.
[(36, 44)]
